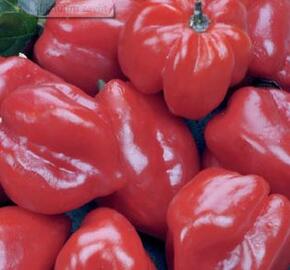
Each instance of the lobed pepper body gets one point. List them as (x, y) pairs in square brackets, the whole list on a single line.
[(158, 153), (80, 40), (223, 220), (268, 26), (29, 240), (252, 136), (105, 240), (159, 49), (57, 149)]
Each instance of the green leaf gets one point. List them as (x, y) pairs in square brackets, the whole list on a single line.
[(17, 28), (36, 7)]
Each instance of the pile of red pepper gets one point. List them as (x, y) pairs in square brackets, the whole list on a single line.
[(64, 141)]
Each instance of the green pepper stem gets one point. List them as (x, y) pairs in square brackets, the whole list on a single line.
[(100, 85), (199, 22)]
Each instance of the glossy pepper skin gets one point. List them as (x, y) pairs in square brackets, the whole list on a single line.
[(17, 71), (57, 147), (60, 148), (159, 50), (252, 136), (83, 51), (158, 152), (30, 241), (269, 24), (223, 220), (11, 72), (105, 241), (247, 2)]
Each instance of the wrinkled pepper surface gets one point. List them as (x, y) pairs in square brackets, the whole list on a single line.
[(29, 240), (223, 220), (269, 24), (57, 150), (79, 42), (157, 151), (107, 241), (193, 60), (252, 136), (60, 148)]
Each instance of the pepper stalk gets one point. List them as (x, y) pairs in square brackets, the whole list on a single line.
[(199, 22)]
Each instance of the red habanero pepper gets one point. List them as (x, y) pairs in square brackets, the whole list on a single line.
[(223, 220), (269, 24), (60, 148), (11, 74), (80, 46), (194, 59), (57, 150), (29, 240), (159, 154), (252, 136), (107, 241)]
